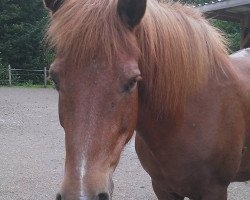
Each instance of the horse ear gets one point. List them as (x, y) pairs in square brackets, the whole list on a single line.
[(53, 5), (131, 11)]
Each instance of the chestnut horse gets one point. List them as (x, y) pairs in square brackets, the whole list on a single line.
[(159, 69)]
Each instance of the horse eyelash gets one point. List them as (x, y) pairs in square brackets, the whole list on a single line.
[(54, 80), (130, 84)]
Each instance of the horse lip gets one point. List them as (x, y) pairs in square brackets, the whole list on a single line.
[(83, 197)]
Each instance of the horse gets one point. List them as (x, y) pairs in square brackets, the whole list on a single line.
[(160, 69)]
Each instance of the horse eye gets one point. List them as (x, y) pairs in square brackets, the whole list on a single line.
[(54, 78), (56, 85), (131, 84)]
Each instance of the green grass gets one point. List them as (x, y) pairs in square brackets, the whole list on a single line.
[(29, 84), (33, 86)]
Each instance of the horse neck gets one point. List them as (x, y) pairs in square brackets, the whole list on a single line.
[(180, 52)]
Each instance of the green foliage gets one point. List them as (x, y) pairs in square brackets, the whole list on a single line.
[(22, 25), (232, 32), (231, 29), (3, 73)]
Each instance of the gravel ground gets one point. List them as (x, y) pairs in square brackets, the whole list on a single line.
[(32, 152)]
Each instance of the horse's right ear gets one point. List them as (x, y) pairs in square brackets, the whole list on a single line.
[(53, 5), (131, 11)]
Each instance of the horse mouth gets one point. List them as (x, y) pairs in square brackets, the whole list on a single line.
[(101, 196)]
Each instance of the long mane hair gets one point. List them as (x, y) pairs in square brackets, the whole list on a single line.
[(178, 50)]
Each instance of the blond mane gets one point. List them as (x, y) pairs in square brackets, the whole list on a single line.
[(178, 50), (86, 29)]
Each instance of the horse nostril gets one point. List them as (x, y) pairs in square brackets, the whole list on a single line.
[(103, 196), (58, 196)]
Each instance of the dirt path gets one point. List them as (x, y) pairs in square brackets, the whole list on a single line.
[(32, 152)]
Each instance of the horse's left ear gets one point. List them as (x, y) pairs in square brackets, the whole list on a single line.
[(131, 11), (53, 5)]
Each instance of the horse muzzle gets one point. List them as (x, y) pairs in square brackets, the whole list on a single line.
[(101, 196)]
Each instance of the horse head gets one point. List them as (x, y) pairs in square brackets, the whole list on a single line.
[(96, 74)]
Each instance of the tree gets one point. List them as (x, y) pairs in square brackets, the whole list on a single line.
[(231, 29), (232, 33), (22, 25)]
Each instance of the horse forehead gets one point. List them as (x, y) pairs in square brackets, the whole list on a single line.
[(127, 67)]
